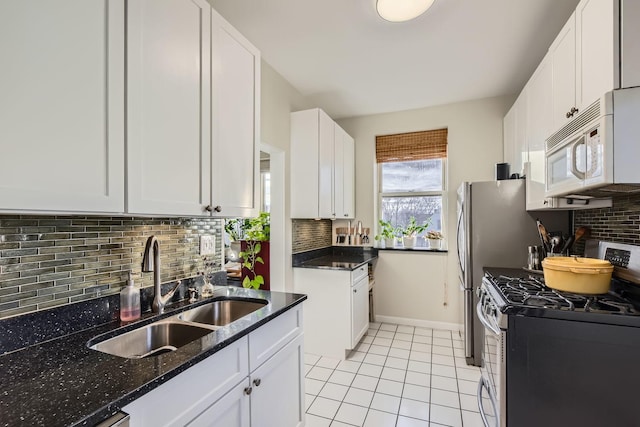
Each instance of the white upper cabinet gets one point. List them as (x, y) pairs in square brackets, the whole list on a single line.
[(322, 167), (563, 59), (193, 97), (539, 127), (168, 93), (515, 135), (596, 51), (349, 172), (344, 174), (596, 67), (235, 122), (62, 105)]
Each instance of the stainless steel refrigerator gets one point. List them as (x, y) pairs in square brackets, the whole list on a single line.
[(493, 230)]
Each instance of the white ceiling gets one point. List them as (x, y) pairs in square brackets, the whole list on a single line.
[(350, 62)]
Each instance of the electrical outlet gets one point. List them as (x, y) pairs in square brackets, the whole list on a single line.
[(207, 245)]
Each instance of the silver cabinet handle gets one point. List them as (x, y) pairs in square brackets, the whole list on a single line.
[(248, 390), (257, 382)]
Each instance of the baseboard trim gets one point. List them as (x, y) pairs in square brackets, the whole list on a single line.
[(420, 323)]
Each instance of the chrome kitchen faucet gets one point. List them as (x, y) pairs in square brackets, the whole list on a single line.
[(153, 264)]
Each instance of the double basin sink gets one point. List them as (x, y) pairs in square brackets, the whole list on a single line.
[(169, 334)]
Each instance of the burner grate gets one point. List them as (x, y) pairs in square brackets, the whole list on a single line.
[(531, 292)]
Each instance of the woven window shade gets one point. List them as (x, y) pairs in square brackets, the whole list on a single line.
[(403, 147)]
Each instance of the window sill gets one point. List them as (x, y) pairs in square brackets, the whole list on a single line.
[(414, 250)]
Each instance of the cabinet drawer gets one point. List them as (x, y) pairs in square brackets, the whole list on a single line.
[(267, 340), (180, 399), (359, 273)]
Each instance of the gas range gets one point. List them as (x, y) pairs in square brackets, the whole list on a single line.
[(518, 292), (535, 335)]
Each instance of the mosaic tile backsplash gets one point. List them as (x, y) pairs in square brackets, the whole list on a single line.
[(48, 261), (619, 223), (309, 234)]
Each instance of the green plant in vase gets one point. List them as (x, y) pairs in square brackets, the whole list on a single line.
[(388, 233), (435, 239), (411, 231)]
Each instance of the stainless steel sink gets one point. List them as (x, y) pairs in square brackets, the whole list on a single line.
[(222, 312), (151, 340)]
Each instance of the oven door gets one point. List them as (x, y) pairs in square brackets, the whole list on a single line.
[(491, 387)]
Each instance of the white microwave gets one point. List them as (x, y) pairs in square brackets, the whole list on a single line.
[(597, 153)]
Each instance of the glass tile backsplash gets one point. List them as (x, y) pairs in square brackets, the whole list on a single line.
[(619, 223), (48, 261), (309, 234)]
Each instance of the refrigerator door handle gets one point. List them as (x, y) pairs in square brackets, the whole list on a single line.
[(459, 231), (468, 322)]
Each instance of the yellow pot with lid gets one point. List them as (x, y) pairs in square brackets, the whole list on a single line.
[(577, 274)]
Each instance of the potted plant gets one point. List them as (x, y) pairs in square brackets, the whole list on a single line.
[(435, 239), (388, 233), (255, 252), (235, 229), (411, 231)]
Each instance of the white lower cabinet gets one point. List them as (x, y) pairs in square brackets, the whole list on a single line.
[(277, 397), (337, 311), (230, 410), (359, 310), (255, 381)]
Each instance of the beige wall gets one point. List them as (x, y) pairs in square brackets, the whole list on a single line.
[(278, 100), (423, 286)]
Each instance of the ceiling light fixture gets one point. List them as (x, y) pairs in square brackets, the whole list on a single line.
[(402, 10)]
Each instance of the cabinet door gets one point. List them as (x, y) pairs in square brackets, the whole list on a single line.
[(232, 410), (596, 64), (338, 172), (304, 163), (563, 54), (359, 310), (520, 154), (184, 397), (62, 105), (349, 177), (326, 207), (168, 146), (235, 122), (509, 134), (277, 397), (539, 128), (345, 174)]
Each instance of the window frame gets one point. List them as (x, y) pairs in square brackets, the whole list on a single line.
[(441, 193)]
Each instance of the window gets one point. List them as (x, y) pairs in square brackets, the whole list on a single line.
[(412, 171)]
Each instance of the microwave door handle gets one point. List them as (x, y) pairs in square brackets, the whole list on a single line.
[(592, 165), (574, 159)]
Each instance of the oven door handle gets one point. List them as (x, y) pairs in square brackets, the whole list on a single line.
[(484, 320), (481, 385)]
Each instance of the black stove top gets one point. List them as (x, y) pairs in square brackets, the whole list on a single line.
[(530, 292)]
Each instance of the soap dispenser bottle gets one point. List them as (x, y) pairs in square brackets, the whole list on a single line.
[(129, 301)]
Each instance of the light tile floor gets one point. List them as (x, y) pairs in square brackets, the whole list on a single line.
[(398, 376)]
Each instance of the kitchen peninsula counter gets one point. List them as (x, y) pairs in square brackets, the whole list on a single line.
[(52, 378)]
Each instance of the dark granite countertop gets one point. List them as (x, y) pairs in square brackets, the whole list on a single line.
[(61, 382), (335, 258)]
